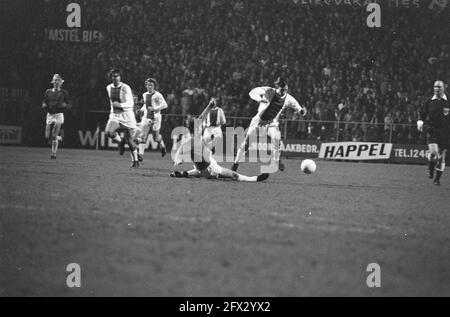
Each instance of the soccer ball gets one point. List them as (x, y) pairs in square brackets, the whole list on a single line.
[(308, 166)]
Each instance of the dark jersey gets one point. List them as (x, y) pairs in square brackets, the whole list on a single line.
[(433, 111), (56, 100), (274, 108), (443, 131)]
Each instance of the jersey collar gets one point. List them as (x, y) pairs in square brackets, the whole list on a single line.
[(436, 97)]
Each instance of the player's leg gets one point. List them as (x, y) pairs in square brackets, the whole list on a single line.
[(185, 174), (157, 135), (158, 138), (440, 166), (227, 173), (129, 139), (240, 155), (275, 137), (144, 132), (432, 158), (111, 131), (55, 141)]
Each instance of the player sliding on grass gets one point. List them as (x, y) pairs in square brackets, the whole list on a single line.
[(56, 102), (272, 102), (201, 155)]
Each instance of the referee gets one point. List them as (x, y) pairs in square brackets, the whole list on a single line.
[(435, 114)]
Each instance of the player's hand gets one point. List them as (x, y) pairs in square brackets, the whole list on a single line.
[(304, 111), (212, 102), (44, 106), (116, 104), (420, 125)]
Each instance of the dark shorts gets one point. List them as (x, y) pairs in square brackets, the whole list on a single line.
[(441, 138)]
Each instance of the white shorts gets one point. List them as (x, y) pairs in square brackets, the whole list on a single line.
[(272, 127), (213, 170), (125, 118), (212, 131), (55, 118), (148, 125)]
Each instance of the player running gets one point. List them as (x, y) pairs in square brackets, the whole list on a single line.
[(56, 102), (201, 155), (122, 115), (272, 102), (150, 114), (437, 122)]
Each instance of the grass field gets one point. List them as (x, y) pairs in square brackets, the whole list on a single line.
[(139, 232)]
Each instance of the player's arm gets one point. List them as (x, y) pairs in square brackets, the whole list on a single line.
[(161, 103), (67, 104), (129, 99), (211, 103), (222, 119), (423, 116), (293, 104), (45, 102), (258, 94)]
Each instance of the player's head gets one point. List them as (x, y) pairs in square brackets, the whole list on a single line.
[(115, 75), (439, 88), (151, 84), (57, 80), (281, 86)]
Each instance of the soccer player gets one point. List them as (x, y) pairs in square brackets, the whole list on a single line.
[(215, 119), (56, 102), (150, 113), (435, 114), (272, 102), (200, 153), (122, 115)]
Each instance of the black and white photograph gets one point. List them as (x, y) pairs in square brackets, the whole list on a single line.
[(251, 150)]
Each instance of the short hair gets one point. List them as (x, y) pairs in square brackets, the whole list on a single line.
[(152, 80), (280, 81), (115, 71)]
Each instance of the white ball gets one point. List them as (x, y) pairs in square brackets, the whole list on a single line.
[(308, 166)]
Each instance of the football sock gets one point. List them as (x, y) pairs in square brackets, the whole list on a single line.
[(438, 175), (117, 138), (134, 155), (141, 148), (240, 153), (243, 178)]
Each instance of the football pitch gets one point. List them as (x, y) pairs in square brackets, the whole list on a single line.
[(142, 233)]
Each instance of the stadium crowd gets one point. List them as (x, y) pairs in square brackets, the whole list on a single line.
[(335, 65)]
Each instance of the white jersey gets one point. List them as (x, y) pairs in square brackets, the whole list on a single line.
[(215, 118), (272, 105), (122, 95), (153, 104)]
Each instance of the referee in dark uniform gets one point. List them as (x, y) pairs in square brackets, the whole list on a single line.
[(435, 117)]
